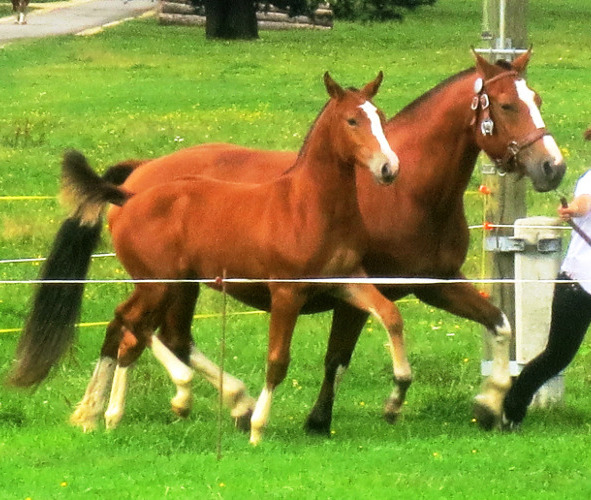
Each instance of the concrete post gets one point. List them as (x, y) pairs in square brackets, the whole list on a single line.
[(539, 260)]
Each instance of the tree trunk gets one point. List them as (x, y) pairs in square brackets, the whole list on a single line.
[(231, 19)]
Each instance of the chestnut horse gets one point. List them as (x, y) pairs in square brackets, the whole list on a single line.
[(305, 224), (417, 226)]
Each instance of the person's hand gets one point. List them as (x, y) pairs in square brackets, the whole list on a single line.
[(580, 206)]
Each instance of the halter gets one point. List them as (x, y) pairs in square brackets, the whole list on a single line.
[(481, 100)]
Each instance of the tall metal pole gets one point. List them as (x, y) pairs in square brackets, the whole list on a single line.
[(505, 31)]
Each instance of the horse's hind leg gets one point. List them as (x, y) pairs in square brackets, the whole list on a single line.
[(89, 409), (175, 337), (368, 298), (347, 323), (131, 347), (462, 299), (175, 334), (235, 394), (139, 315)]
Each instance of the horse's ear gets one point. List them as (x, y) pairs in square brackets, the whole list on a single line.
[(486, 69), (371, 89), (521, 62), (333, 88)]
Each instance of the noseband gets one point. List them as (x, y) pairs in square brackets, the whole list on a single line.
[(509, 160)]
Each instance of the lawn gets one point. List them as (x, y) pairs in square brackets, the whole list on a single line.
[(143, 90)]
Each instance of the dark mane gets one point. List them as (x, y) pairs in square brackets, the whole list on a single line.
[(434, 91)]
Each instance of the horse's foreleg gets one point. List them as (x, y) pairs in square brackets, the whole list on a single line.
[(285, 307), (89, 409), (235, 394), (462, 299), (368, 298), (347, 323)]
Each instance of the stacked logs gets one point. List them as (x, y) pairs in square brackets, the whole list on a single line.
[(184, 12)]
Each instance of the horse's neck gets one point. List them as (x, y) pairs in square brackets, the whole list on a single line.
[(438, 132), (325, 182)]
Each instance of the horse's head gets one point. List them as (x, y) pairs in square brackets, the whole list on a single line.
[(357, 129), (509, 125)]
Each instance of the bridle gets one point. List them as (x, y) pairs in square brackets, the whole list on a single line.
[(508, 162)]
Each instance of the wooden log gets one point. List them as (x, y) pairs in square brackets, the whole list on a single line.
[(181, 20), (177, 8), (277, 25)]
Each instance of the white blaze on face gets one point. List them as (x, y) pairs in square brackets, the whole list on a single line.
[(527, 96), (376, 129)]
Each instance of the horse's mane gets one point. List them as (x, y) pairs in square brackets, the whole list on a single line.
[(448, 81), (434, 91)]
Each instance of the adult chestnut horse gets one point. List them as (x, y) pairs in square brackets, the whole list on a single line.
[(417, 226), (304, 224)]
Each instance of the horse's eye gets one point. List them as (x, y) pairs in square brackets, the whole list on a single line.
[(508, 107), (352, 122)]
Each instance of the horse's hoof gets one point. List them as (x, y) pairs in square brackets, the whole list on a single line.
[(486, 417), (391, 417), (317, 427), (181, 412), (87, 426), (508, 425), (242, 422), (392, 410)]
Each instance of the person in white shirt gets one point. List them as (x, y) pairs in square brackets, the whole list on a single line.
[(571, 309)]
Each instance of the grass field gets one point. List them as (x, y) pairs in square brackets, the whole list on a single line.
[(141, 90)]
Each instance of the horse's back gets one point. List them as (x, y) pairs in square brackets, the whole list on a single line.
[(227, 162)]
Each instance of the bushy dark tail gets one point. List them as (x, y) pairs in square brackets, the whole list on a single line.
[(118, 174), (587, 134), (50, 328)]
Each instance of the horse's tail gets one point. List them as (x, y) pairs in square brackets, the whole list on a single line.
[(51, 325), (587, 134), (118, 173)]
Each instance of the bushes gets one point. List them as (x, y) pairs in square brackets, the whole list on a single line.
[(374, 10)]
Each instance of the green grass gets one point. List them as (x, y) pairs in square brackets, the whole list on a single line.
[(142, 90)]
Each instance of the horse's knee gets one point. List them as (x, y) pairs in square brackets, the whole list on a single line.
[(130, 348)]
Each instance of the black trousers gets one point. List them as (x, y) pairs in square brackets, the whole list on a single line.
[(571, 316)]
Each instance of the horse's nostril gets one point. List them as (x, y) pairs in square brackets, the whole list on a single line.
[(547, 168), (386, 170)]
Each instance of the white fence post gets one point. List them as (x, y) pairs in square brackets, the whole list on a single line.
[(539, 260)]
